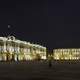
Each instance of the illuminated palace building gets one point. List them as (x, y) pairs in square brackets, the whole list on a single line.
[(66, 54), (17, 50)]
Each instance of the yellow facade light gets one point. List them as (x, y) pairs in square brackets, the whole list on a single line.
[(66, 54)]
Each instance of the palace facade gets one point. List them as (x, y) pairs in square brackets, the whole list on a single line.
[(17, 50), (66, 54)]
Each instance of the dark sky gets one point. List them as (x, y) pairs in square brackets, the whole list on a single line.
[(52, 23)]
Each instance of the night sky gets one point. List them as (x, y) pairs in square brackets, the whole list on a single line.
[(51, 23)]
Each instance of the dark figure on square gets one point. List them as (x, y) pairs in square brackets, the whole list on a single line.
[(50, 63)]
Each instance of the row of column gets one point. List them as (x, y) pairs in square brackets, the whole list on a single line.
[(66, 55), (10, 50)]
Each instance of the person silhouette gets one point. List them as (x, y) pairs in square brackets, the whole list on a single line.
[(50, 62)]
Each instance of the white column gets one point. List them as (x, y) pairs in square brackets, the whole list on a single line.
[(4, 47)]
